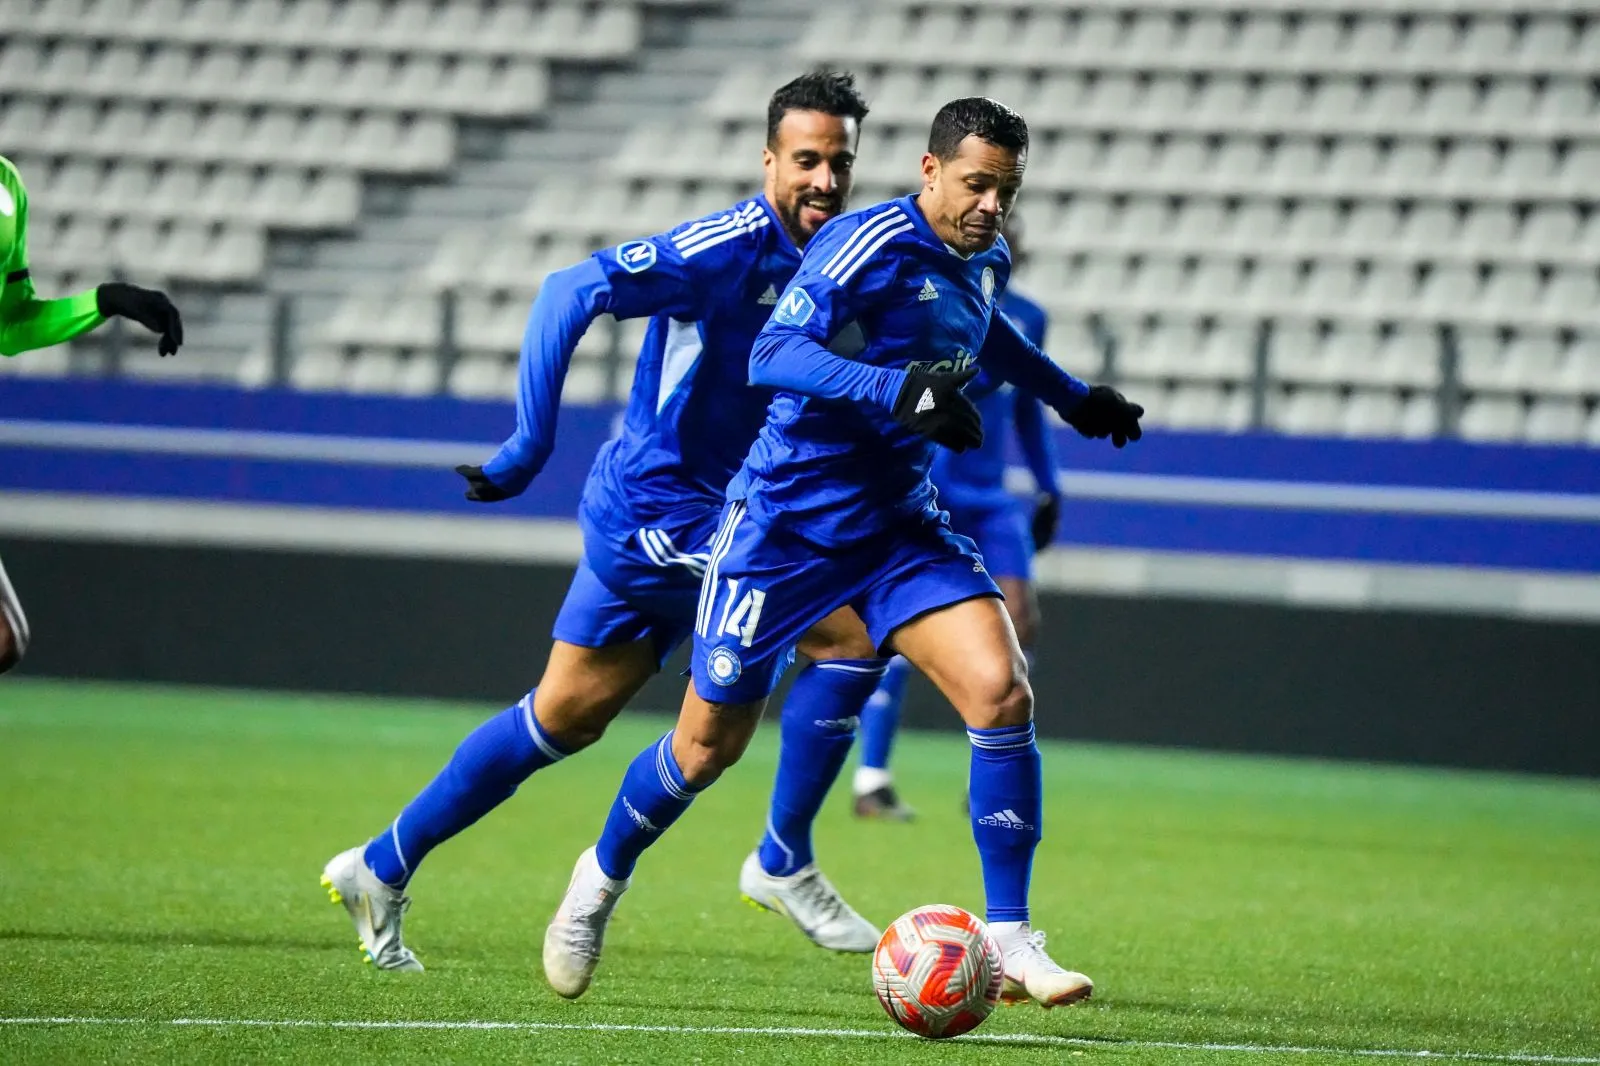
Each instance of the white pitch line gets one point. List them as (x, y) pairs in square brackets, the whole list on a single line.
[(1015, 1039)]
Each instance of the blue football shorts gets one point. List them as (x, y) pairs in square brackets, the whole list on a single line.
[(1003, 532), (764, 588), (645, 584)]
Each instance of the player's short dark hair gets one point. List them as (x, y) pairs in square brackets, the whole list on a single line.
[(832, 92), (980, 117)]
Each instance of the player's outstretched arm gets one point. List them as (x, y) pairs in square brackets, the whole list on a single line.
[(829, 291), (1098, 411), (568, 302), (677, 273), (927, 402), (27, 322)]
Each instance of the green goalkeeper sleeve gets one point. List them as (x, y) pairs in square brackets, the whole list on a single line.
[(26, 321)]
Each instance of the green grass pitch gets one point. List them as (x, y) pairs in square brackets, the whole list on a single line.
[(160, 851)]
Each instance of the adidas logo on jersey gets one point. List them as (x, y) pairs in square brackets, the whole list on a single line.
[(928, 291), (926, 402), (1006, 819), (768, 298)]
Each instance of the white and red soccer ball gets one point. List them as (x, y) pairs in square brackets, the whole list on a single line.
[(938, 971)]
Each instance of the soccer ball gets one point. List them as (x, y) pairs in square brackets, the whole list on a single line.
[(938, 971)]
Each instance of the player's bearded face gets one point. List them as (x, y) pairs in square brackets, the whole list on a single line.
[(809, 170), (968, 196)]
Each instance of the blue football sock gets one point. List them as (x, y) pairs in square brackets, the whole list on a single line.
[(483, 773), (1007, 805), (653, 795), (881, 718), (819, 725)]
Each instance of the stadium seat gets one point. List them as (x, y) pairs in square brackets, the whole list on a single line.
[(1555, 422), (1310, 412), (1371, 413), (1359, 175), (1492, 418)]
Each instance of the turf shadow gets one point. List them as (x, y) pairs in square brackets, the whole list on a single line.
[(185, 939)]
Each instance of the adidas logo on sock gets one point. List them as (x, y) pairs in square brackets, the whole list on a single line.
[(1006, 819), (639, 819), (844, 724), (926, 402), (928, 291), (768, 298)]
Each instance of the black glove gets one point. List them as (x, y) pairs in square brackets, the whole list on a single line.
[(1046, 517), (479, 488), (932, 404), (1105, 412), (149, 308)]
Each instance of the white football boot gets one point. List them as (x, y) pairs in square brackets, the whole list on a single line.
[(810, 901), (376, 908), (573, 940), (1032, 974)]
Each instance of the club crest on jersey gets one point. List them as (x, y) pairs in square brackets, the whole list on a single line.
[(796, 308), (987, 282), (724, 666), (636, 256)]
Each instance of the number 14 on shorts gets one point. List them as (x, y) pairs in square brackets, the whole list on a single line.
[(741, 612)]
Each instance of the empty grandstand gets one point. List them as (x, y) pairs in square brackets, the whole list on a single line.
[(1353, 217)]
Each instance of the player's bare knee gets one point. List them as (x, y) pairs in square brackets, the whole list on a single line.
[(711, 737), (583, 690), (999, 698), (702, 759), (576, 719), (702, 763)]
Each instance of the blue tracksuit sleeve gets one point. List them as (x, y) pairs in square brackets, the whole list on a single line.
[(669, 274), (783, 359), (1018, 360), (793, 350), (1038, 447), (568, 302)]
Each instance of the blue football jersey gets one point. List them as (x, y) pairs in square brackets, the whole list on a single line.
[(977, 477), (880, 288), (709, 286)]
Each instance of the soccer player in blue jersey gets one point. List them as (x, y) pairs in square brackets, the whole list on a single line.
[(972, 489), (650, 506), (891, 313)]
